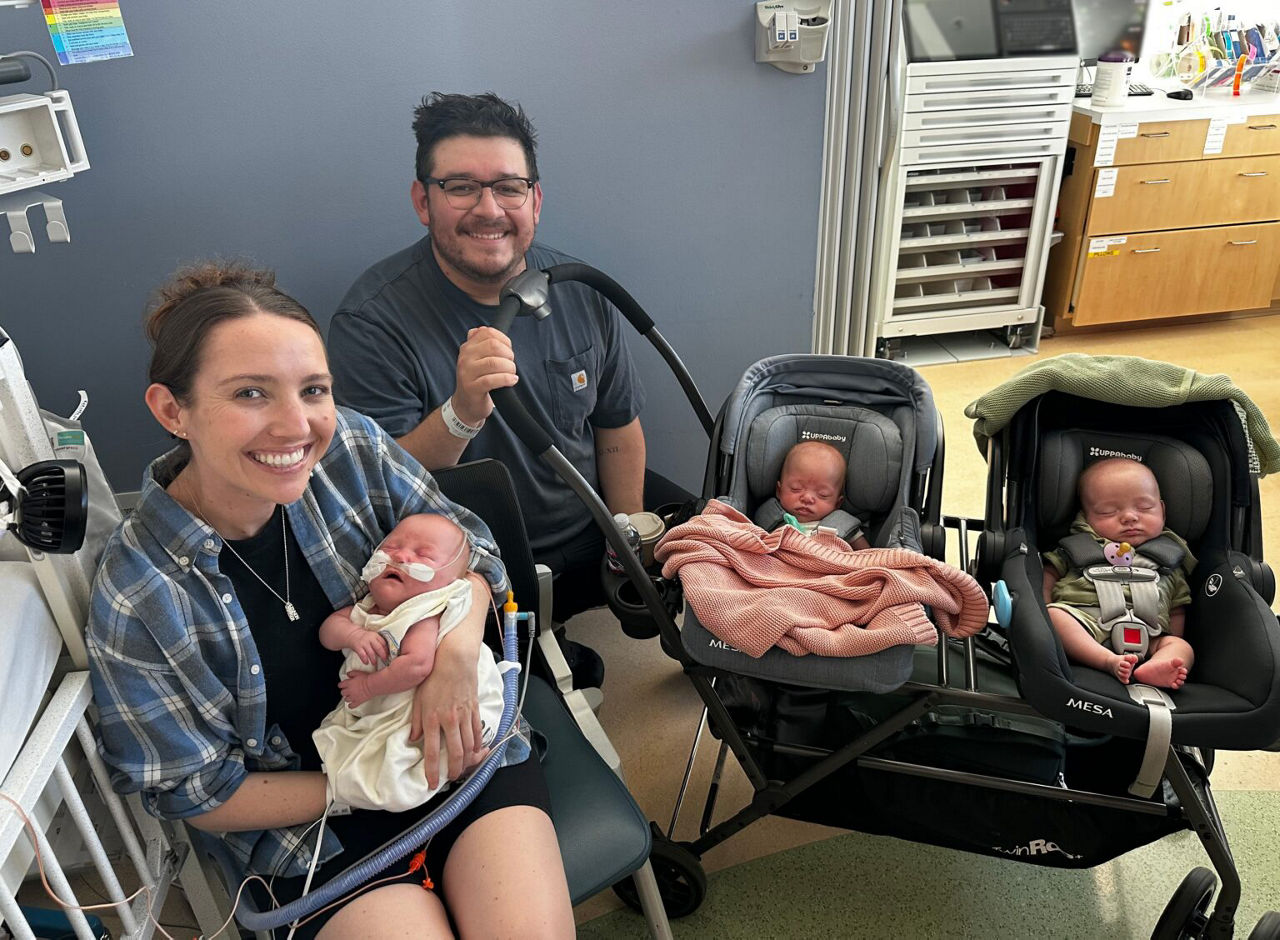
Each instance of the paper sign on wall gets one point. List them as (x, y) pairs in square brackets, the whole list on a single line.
[(86, 30)]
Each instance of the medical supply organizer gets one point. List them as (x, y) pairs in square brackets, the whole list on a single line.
[(1171, 209), (967, 203)]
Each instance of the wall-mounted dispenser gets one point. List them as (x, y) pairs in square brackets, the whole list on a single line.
[(792, 34), (39, 143)]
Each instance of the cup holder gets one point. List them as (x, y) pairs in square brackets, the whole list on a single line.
[(630, 609)]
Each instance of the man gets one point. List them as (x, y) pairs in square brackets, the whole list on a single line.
[(411, 346)]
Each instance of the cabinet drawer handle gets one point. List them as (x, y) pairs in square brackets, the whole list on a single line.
[(1155, 182), (1257, 173), (1252, 241), (1145, 251), (1156, 134), (1262, 127)]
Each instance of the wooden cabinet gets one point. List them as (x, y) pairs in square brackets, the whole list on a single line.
[(1163, 229)]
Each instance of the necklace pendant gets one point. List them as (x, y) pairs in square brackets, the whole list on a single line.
[(291, 611)]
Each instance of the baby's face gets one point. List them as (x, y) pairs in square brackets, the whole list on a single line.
[(1123, 504), (811, 486), (425, 539)]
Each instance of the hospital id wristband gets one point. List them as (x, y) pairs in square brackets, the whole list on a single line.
[(455, 425)]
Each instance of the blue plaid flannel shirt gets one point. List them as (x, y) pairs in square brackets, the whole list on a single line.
[(181, 698)]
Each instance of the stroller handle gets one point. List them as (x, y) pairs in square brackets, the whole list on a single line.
[(527, 292)]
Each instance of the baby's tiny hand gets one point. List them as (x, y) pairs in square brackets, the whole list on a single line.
[(371, 647), (355, 689)]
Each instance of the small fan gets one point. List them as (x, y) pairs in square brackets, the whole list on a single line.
[(46, 505)]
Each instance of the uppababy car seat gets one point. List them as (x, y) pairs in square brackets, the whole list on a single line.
[(1200, 457), (880, 416)]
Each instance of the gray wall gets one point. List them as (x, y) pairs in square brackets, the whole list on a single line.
[(281, 132)]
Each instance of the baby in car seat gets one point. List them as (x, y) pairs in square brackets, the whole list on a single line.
[(1116, 587), (810, 488), (417, 594)]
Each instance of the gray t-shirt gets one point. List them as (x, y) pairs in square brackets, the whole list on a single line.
[(393, 346)]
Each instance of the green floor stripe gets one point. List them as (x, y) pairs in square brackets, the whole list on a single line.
[(873, 886)]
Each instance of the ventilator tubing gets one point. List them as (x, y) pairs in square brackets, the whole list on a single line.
[(455, 803)]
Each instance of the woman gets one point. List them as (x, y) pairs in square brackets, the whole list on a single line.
[(203, 631)]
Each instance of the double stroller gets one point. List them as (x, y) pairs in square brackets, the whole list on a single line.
[(994, 744)]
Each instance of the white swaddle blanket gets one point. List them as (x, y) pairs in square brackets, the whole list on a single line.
[(367, 754)]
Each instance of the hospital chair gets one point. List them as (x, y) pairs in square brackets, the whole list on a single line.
[(604, 837), (49, 765)]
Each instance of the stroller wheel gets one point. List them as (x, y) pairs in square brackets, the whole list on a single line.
[(681, 880), (1267, 928), (1185, 914)]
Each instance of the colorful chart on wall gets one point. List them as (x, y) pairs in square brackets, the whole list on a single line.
[(86, 30)]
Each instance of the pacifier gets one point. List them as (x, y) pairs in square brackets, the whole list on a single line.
[(1118, 554)]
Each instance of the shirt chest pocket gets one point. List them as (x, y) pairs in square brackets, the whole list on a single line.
[(572, 383)]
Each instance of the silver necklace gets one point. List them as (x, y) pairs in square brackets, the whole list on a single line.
[(290, 611)]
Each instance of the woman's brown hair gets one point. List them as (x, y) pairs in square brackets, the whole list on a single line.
[(197, 298)]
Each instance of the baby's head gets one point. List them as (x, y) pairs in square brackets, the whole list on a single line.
[(811, 484), (425, 539), (1121, 500)]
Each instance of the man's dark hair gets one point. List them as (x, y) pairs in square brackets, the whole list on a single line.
[(442, 116)]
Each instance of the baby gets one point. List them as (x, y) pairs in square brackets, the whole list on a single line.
[(417, 594), (811, 488), (1121, 511)]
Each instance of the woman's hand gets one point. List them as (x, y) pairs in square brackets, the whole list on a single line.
[(446, 707)]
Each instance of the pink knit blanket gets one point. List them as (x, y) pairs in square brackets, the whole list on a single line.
[(822, 597)]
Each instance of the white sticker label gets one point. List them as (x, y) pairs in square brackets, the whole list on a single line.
[(1217, 134), (1106, 183), (1097, 245), (1125, 131), (1106, 154), (1117, 240)]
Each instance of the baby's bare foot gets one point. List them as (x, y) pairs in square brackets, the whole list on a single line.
[(1166, 673), (1122, 666)]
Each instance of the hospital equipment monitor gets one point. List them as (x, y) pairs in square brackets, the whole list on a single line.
[(1106, 25)]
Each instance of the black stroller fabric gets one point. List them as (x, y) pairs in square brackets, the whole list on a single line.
[(1200, 458)]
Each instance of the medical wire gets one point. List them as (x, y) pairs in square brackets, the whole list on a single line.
[(513, 731), (53, 76), (33, 834)]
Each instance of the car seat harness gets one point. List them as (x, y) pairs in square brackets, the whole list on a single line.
[(1128, 608)]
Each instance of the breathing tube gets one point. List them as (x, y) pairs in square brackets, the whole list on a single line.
[(424, 829)]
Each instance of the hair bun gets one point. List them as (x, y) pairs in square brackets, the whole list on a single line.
[(193, 279)]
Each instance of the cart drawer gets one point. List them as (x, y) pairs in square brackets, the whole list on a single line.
[(1182, 195), (1256, 136), (1172, 274), (966, 150), (1159, 141), (990, 80), (987, 117), (1000, 98)]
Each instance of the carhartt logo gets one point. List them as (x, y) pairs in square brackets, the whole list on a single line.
[(579, 380), (819, 436), (1103, 452), (1035, 847)]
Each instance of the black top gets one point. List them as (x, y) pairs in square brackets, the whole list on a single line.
[(301, 675)]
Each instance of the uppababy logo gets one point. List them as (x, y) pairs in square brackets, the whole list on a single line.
[(1103, 452), (722, 645), (819, 436), (1093, 708), (1035, 847)]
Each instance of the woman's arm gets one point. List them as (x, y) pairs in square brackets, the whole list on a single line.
[(446, 705), (267, 801)]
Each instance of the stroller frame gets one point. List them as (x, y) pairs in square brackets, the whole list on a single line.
[(677, 865)]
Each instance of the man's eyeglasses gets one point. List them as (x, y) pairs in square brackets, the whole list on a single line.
[(509, 192)]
